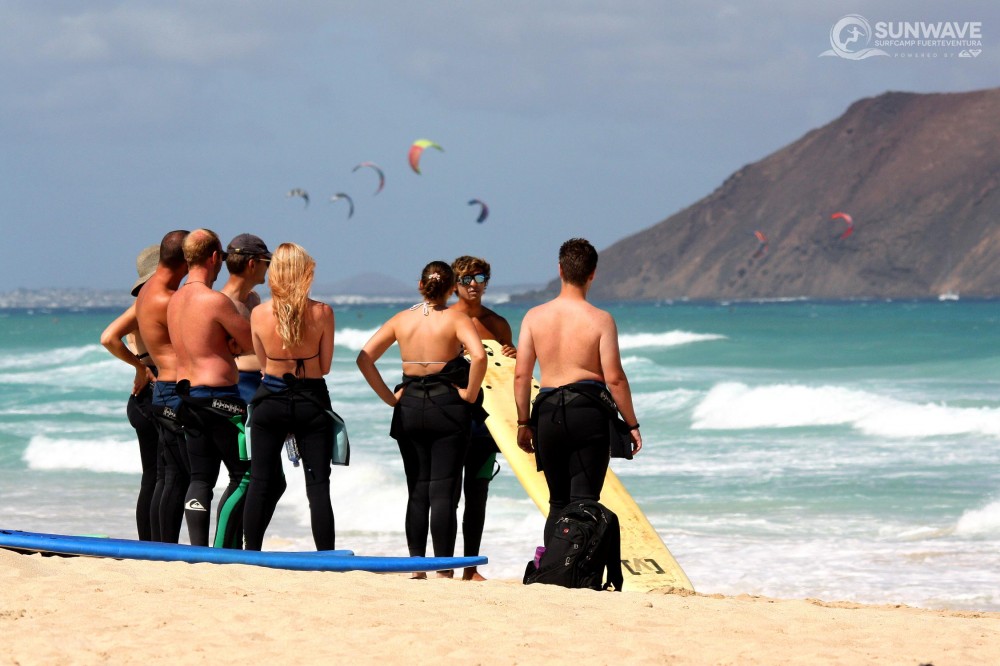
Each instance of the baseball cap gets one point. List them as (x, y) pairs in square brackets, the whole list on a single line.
[(248, 244)]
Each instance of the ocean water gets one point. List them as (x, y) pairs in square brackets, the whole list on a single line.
[(841, 451)]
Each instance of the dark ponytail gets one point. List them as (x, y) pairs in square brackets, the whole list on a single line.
[(436, 281)]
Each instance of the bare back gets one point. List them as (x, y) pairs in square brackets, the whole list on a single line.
[(151, 313), (201, 322), (315, 349), (572, 341), (246, 362), (426, 343)]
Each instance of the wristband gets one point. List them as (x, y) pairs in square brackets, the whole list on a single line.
[(635, 427), (523, 425), (523, 422)]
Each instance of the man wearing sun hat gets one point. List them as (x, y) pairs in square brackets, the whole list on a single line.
[(151, 311), (139, 408), (247, 262)]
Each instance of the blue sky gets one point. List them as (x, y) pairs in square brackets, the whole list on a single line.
[(122, 120)]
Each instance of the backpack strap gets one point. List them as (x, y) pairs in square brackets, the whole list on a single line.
[(614, 553)]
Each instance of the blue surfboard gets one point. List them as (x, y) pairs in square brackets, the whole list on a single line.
[(127, 549)]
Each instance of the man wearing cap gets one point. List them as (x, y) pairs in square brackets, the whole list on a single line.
[(172, 475), (139, 408), (247, 264)]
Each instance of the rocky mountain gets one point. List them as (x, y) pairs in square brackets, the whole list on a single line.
[(918, 173)]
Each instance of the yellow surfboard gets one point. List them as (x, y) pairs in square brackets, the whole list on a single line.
[(647, 564)]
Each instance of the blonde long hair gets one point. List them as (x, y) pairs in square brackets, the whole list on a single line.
[(290, 277)]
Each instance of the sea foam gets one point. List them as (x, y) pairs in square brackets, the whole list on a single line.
[(50, 358), (736, 406), (353, 338), (97, 455), (667, 339), (980, 522)]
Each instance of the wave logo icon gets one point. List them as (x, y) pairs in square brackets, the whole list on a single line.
[(850, 37)]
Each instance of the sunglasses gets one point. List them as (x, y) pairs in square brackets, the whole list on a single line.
[(479, 278)]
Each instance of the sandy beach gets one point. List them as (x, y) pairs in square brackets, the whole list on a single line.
[(82, 611)]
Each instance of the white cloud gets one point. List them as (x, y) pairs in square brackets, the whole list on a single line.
[(151, 32)]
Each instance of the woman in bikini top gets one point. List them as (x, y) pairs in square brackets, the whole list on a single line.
[(292, 334), (428, 330), (296, 337)]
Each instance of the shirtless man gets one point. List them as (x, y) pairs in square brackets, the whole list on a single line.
[(140, 401), (472, 275), (247, 265), (207, 332), (576, 346), (172, 474)]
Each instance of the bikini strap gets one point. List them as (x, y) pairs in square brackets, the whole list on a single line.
[(300, 363)]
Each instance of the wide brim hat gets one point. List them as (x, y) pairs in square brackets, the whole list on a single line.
[(145, 266)]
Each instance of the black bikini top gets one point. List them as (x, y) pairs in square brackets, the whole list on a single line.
[(300, 363)]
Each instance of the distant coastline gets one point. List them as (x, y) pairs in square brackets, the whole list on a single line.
[(84, 298), (520, 295)]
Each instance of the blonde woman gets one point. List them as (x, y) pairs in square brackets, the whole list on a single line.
[(432, 411), (293, 340)]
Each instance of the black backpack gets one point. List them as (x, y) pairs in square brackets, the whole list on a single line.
[(585, 542)]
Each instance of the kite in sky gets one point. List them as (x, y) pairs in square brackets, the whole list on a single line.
[(417, 149), (297, 192), (850, 223), (762, 248), (378, 170), (483, 210), (350, 202)]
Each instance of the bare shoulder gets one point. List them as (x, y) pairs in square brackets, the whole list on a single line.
[(154, 299), (216, 298), (537, 311), (320, 310), (600, 315), (261, 311), (490, 314), (455, 315), (528, 320)]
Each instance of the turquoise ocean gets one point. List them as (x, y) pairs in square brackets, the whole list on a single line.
[(840, 451)]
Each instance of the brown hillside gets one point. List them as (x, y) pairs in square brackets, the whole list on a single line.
[(920, 174)]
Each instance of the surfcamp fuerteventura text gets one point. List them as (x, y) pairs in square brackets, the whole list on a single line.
[(853, 37)]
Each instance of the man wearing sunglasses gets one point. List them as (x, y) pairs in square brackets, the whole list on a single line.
[(247, 264), (472, 275)]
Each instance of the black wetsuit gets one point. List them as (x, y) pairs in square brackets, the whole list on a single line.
[(572, 442), (479, 470), (173, 472), (147, 507), (214, 420), (431, 423), (285, 405)]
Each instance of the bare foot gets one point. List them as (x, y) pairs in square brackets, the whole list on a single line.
[(448, 573), (419, 575), (472, 574)]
